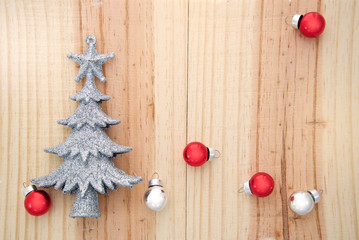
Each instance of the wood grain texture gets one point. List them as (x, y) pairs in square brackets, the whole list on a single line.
[(37, 80), (230, 74), (257, 92)]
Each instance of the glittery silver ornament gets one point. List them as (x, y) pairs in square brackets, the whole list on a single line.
[(302, 202), (87, 167), (155, 197)]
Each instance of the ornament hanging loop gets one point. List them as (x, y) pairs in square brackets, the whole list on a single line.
[(25, 184), (217, 154), (90, 39), (321, 191), (286, 20), (241, 190), (155, 173), (155, 196)]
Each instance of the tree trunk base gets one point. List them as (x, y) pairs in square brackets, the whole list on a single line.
[(86, 206)]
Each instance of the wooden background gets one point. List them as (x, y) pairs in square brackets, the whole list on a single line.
[(228, 73)]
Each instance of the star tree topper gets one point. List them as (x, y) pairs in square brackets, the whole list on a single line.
[(91, 62)]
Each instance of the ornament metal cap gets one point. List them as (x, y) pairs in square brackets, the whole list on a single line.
[(315, 195), (295, 20), (247, 188), (211, 154), (155, 182), (29, 189)]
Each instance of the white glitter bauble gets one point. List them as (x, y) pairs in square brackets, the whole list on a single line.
[(302, 202), (155, 197)]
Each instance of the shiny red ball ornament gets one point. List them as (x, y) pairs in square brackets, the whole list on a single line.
[(37, 202), (261, 185), (310, 25), (196, 154)]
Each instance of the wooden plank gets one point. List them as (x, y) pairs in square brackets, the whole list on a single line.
[(299, 58), (222, 82), (338, 111), (125, 27), (170, 99)]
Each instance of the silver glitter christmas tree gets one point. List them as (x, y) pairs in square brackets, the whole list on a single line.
[(87, 167)]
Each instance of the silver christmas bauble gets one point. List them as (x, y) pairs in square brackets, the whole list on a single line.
[(155, 197), (302, 202)]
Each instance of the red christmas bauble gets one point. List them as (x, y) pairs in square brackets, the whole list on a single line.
[(37, 202), (311, 24), (261, 184), (195, 154)]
